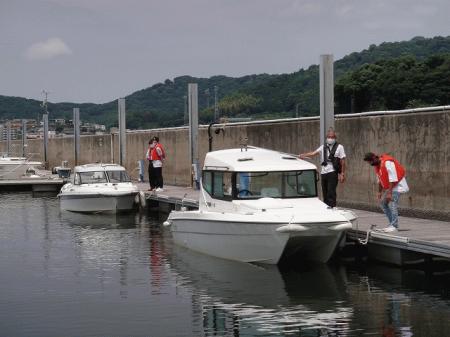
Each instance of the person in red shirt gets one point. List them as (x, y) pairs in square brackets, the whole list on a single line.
[(157, 156), (391, 183), (151, 175)]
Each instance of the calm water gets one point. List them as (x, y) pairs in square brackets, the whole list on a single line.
[(66, 274)]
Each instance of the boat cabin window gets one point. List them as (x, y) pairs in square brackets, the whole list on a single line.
[(283, 184), (77, 179), (118, 176), (207, 181), (218, 184), (255, 185), (94, 177)]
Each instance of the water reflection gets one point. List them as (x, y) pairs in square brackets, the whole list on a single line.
[(245, 299), (103, 221), (76, 274), (400, 302)]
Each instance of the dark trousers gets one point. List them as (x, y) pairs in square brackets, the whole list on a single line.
[(157, 172), (155, 177), (329, 185), (151, 175)]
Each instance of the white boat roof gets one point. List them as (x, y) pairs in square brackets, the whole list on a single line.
[(98, 167), (254, 159)]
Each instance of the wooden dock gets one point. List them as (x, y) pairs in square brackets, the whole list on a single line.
[(418, 240), (35, 185)]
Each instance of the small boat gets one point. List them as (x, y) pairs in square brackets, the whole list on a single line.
[(258, 205), (98, 188), (17, 167)]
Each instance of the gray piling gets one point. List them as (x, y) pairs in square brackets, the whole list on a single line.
[(24, 137), (326, 95), (45, 120), (8, 138), (76, 134), (193, 133), (122, 132)]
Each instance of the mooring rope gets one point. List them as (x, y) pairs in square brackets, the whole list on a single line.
[(366, 240)]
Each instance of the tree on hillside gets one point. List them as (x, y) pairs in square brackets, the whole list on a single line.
[(399, 83), (388, 76)]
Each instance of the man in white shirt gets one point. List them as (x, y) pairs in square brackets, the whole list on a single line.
[(332, 158), (391, 183)]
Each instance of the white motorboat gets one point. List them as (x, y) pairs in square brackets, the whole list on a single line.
[(17, 167), (259, 205), (98, 188)]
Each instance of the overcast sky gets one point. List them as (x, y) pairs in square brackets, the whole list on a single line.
[(100, 50)]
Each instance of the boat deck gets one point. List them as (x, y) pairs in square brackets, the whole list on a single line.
[(415, 237)]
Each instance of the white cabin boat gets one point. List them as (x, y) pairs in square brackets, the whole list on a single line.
[(17, 167), (259, 205), (98, 188)]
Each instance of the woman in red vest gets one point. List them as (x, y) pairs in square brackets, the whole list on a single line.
[(157, 156), (391, 183)]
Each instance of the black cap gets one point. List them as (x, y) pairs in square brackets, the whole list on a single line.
[(369, 156), (155, 138)]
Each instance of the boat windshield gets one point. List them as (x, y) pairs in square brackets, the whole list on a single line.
[(118, 176), (93, 177), (283, 184), (255, 185)]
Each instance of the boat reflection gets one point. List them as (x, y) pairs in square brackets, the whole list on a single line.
[(103, 220), (245, 299)]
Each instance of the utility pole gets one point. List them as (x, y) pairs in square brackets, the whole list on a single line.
[(186, 116), (44, 103), (216, 104), (207, 98)]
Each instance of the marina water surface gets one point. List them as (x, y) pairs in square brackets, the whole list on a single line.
[(69, 274)]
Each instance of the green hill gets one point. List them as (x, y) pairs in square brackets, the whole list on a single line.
[(369, 79)]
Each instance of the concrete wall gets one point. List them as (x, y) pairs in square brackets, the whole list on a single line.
[(420, 141)]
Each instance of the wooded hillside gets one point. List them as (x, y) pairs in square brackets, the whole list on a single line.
[(388, 76)]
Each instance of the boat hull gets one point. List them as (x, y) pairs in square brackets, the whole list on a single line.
[(98, 203), (254, 241)]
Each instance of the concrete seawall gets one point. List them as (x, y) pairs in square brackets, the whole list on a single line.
[(419, 140)]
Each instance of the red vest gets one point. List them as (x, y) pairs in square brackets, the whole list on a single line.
[(154, 155), (382, 172)]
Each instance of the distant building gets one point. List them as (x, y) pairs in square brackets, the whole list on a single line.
[(57, 127)]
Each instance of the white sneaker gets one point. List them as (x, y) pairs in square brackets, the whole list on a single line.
[(390, 229), (159, 189)]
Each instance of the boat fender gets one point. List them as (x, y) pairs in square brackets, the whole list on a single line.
[(167, 223), (140, 199), (341, 227), (292, 228)]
